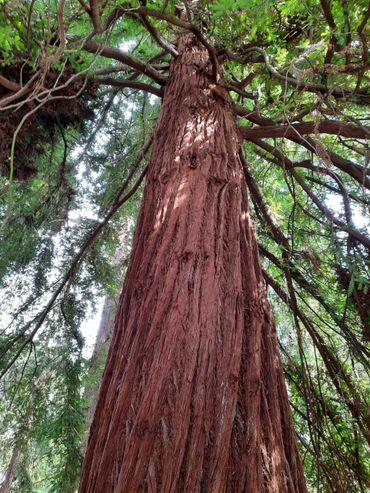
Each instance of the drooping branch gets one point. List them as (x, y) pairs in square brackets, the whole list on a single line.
[(343, 191), (332, 364), (356, 198), (289, 268), (119, 200), (288, 164), (356, 171), (301, 279), (263, 207)]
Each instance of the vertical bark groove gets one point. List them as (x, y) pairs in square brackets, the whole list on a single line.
[(193, 397)]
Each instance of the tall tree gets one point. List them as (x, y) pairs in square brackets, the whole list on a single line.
[(193, 396), (193, 390)]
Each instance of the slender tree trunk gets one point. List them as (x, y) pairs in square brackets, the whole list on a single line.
[(104, 335), (10, 472), (193, 396)]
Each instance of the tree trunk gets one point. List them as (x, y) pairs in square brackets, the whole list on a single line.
[(104, 335), (10, 472), (193, 397)]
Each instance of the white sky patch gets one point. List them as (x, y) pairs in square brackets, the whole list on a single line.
[(335, 203), (90, 326)]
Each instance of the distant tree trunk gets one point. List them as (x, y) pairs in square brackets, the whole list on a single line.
[(104, 334), (10, 472), (193, 397)]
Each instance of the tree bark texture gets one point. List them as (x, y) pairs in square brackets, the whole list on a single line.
[(193, 396)]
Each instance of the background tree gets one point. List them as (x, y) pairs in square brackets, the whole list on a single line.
[(297, 76)]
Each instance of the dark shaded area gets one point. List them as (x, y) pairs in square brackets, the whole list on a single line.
[(62, 109)]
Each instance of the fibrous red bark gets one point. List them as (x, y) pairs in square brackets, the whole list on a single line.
[(193, 397)]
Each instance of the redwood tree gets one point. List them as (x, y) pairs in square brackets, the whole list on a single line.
[(262, 114), (193, 396)]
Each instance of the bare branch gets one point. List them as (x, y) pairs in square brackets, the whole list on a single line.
[(328, 15), (120, 11), (8, 84), (94, 13), (337, 92), (142, 86), (296, 129), (123, 57), (159, 40)]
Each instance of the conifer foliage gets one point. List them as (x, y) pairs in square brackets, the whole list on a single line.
[(82, 83)]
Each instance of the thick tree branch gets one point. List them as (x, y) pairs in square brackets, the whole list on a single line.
[(297, 129), (363, 23), (142, 86), (8, 84), (94, 13), (117, 54), (121, 11), (328, 15)]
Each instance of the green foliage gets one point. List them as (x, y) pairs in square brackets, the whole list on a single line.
[(78, 170)]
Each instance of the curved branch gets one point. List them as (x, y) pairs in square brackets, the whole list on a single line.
[(342, 189), (337, 92), (120, 11), (354, 170), (286, 162), (8, 84), (361, 200), (175, 21)]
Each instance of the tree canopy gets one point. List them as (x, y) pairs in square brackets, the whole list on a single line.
[(80, 87)]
